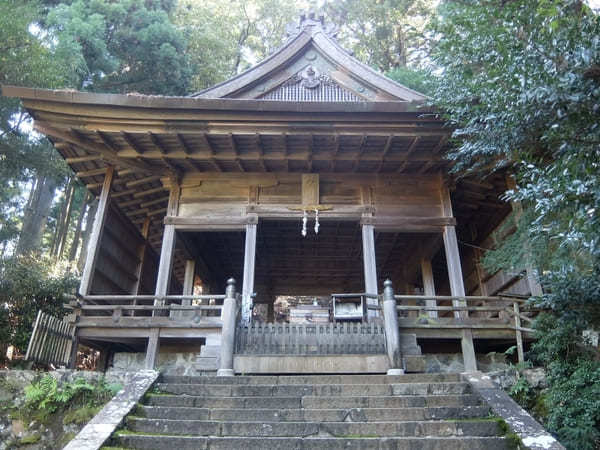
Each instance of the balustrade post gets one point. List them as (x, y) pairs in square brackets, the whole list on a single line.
[(392, 331), (228, 317)]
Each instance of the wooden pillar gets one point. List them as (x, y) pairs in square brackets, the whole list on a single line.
[(188, 279), (428, 285), (165, 266), (152, 348), (96, 235), (163, 278), (370, 265), (457, 287), (141, 256), (249, 263)]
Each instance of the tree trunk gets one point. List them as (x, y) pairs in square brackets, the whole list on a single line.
[(75, 243), (66, 219), (36, 215), (91, 214)]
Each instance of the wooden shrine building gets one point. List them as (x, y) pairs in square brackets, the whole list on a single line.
[(310, 179)]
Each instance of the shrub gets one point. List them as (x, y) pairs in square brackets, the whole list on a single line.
[(26, 285)]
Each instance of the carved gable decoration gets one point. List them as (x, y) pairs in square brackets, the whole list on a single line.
[(333, 75), (310, 86)]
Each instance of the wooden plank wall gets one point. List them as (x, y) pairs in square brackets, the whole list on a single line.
[(229, 194), (478, 281), (116, 268)]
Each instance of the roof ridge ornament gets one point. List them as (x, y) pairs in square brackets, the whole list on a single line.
[(311, 23)]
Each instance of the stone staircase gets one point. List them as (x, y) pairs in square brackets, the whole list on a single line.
[(419, 411)]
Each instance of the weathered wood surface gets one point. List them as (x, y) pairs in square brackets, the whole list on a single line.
[(307, 339), (51, 341)]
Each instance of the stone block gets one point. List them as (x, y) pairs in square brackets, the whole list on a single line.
[(414, 363)]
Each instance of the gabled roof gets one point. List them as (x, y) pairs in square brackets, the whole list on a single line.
[(312, 66)]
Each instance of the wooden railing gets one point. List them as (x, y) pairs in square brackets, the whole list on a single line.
[(143, 309), (484, 313)]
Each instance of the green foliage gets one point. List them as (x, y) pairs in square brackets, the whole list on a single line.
[(520, 82), (121, 46), (80, 416), (384, 34), (416, 79), (522, 393), (27, 285), (226, 38), (47, 396)]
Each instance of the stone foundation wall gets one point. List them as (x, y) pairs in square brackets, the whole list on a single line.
[(169, 363), (14, 432), (453, 362)]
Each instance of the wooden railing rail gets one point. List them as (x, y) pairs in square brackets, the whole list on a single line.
[(466, 298), (509, 317)]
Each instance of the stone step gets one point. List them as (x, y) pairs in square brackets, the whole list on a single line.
[(312, 402), (436, 428), (313, 415), (315, 379), (282, 390), (154, 442)]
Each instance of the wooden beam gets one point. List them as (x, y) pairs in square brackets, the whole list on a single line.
[(184, 145), (132, 143), (411, 148), (91, 146), (150, 191), (82, 159), (261, 151), (155, 201), (96, 235), (361, 150), (140, 181), (157, 143), (124, 193)]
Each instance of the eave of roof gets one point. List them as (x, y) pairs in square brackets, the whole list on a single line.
[(296, 46), (207, 104)]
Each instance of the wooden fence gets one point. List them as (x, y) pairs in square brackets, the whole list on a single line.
[(310, 339), (51, 341)]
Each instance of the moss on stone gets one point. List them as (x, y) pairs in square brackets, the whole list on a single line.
[(81, 415), (29, 439), (67, 437)]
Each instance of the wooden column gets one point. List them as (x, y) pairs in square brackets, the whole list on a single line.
[(370, 265), (153, 348), (141, 256), (164, 273), (96, 236), (457, 287), (188, 279), (249, 263), (428, 284)]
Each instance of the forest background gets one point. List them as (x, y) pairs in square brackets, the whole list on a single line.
[(518, 80)]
